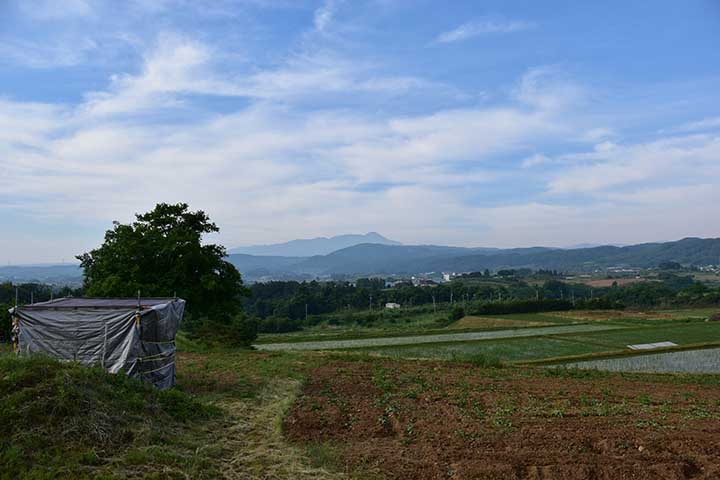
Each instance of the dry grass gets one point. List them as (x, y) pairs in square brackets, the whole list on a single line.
[(254, 441)]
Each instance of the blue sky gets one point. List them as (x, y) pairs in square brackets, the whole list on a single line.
[(494, 123)]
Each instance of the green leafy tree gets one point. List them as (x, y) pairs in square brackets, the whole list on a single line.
[(161, 254)]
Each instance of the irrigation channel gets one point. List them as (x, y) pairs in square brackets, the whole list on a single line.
[(439, 338)]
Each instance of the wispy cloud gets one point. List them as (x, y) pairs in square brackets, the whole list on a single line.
[(484, 26), (314, 129), (45, 55), (536, 160), (700, 125), (324, 15)]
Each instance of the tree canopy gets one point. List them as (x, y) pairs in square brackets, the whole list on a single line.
[(161, 254)]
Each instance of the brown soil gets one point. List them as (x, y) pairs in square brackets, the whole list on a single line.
[(607, 282), (615, 315), (435, 420), (491, 322)]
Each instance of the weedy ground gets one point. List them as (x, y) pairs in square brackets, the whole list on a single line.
[(63, 420), (244, 414)]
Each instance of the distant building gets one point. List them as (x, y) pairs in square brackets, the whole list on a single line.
[(392, 305)]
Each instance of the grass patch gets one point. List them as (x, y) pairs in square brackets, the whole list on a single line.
[(69, 421), (505, 350)]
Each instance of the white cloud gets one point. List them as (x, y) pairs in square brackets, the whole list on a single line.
[(681, 160), (265, 166), (61, 53), (324, 15), (711, 123), (548, 88), (258, 169), (536, 160), (483, 27)]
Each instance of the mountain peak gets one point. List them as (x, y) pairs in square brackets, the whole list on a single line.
[(309, 247)]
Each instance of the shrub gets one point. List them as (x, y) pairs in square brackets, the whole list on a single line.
[(456, 313), (277, 324), (5, 323), (523, 306), (240, 331)]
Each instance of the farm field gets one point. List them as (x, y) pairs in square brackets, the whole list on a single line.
[(432, 339), (382, 417), (534, 337), (689, 361), (495, 351)]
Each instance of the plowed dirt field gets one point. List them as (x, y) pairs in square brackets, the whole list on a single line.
[(440, 420)]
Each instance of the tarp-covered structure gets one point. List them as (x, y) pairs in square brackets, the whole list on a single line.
[(134, 336)]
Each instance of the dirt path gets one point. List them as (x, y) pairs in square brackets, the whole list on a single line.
[(254, 436)]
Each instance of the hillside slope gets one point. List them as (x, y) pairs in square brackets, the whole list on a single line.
[(368, 259), (313, 246), (62, 420)]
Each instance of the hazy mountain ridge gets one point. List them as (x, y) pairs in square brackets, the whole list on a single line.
[(69, 274), (369, 259), (377, 259), (313, 246)]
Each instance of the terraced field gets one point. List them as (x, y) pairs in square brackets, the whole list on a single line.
[(433, 339), (689, 361), (552, 336)]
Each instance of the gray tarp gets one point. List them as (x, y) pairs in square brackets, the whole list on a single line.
[(114, 334)]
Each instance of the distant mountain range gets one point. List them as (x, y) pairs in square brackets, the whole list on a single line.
[(64, 274), (374, 259), (391, 258), (313, 246)]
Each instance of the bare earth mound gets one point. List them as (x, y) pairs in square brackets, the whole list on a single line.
[(434, 420)]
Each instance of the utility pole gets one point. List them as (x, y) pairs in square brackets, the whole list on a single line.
[(306, 314), (434, 307), (371, 301), (537, 294)]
